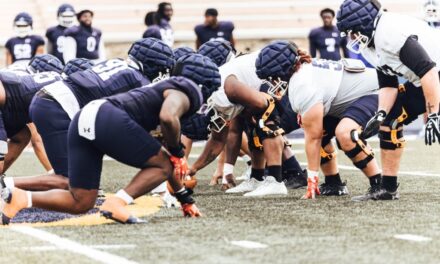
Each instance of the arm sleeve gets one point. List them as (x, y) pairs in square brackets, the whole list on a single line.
[(344, 47), (40, 41), (415, 57), (69, 51), (312, 46), (387, 80)]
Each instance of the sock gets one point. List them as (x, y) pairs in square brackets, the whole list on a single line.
[(9, 182), (333, 179), (29, 199), (257, 174), (389, 183), (275, 171), (124, 196), (291, 164), (374, 180)]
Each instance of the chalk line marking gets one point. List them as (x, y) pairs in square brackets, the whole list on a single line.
[(248, 244), (414, 238), (71, 246), (53, 248)]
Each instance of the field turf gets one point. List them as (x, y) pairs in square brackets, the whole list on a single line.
[(327, 230)]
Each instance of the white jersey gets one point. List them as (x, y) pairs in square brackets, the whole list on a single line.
[(392, 31), (328, 83), (243, 68)]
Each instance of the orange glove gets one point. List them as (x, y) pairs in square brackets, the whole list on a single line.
[(180, 167), (312, 188), (190, 210)]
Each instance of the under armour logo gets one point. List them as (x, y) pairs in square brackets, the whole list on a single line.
[(87, 130)]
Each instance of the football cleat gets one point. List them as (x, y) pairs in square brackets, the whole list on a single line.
[(333, 189), (312, 188), (114, 208), (246, 186), (377, 193), (269, 186), (295, 179), (228, 182), (12, 201), (169, 201)]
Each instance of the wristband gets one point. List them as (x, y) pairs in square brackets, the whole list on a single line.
[(177, 151), (312, 174)]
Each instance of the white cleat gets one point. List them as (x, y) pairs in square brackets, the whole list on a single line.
[(169, 201), (246, 186), (269, 187), (246, 174)]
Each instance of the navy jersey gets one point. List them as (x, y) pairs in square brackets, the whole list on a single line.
[(166, 32), (152, 32), (23, 48), (19, 92), (87, 41), (105, 79), (222, 31), (328, 42), (55, 35), (144, 104)]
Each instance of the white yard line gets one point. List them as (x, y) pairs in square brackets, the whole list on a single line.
[(411, 237), (71, 246), (53, 248)]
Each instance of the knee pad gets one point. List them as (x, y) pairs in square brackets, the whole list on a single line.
[(326, 157), (361, 146), (391, 140), (268, 123)]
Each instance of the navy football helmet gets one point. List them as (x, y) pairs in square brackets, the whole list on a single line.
[(275, 65), (219, 51), (201, 70), (23, 24), (153, 57), (45, 63), (78, 64), (182, 51), (66, 15), (357, 19)]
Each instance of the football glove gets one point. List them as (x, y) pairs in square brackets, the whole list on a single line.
[(180, 167), (190, 210), (312, 188), (373, 125), (432, 129)]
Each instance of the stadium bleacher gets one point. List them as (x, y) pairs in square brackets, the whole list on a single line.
[(256, 21)]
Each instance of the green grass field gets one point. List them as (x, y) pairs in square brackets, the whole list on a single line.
[(326, 230)]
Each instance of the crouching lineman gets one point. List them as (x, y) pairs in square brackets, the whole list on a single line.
[(239, 95), (119, 126), (53, 107), (345, 92), (396, 45)]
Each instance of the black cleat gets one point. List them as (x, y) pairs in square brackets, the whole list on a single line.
[(295, 179), (333, 189), (377, 193)]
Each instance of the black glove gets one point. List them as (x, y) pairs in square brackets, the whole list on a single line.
[(432, 129), (373, 125), (196, 127)]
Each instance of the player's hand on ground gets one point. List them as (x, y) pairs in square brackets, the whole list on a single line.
[(190, 210), (373, 125), (432, 129), (180, 167), (312, 188)]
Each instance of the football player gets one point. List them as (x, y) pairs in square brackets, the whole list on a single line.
[(182, 51), (163, 16), (55, 35), (84, 41), (119, 126), (24, 45), (75, 65), (153, 30), (240, 90), (431, 9), (343, 93), (396, 45), (53, 107)]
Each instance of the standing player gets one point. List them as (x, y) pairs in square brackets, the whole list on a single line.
[(55, 35), (84, 41), (431, 9), (54, 107), (327, 39), (214, 29), (119, 126), (164, 14), (153, 30), (344, 94), (24, 46), (403, 46)]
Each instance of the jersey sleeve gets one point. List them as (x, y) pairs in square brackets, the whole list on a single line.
[(387, 80), (39, 40), (312, 46), (304, 94), (415, 57), (197, 31), (8, 45)]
